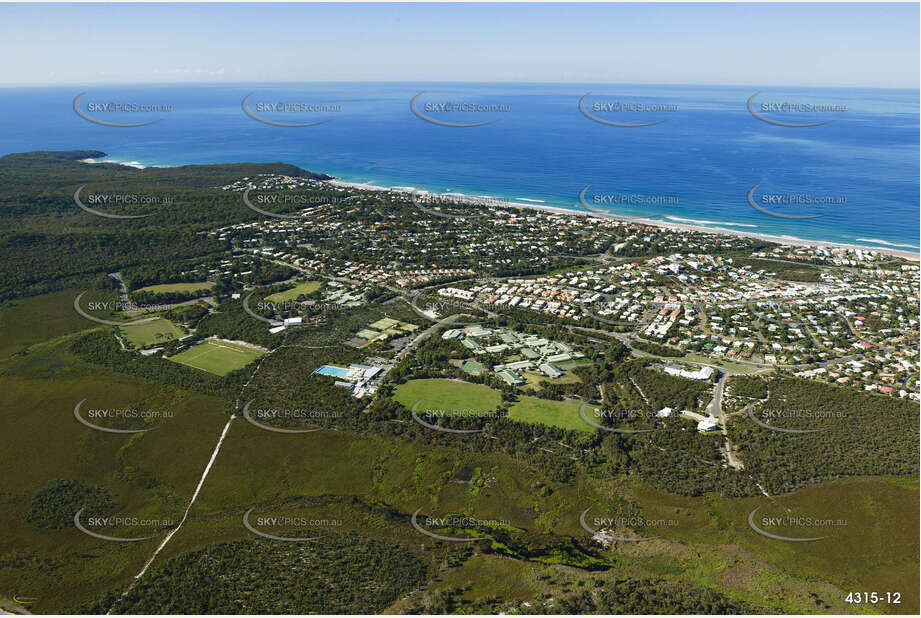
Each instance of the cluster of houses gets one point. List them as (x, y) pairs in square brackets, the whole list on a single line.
[(703, 373), (664, 320), (892, 373), (450, 292), (421, 276), (857, 306), (835, 256), (343, 295), (272, 181), (805, 319), (519, 352), (381, 330), (561, 296)]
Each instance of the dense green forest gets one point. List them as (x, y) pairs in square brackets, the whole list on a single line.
[(41, 222), (655, 348), (33, 261), (859, 434), (55, 504), (340, 574)]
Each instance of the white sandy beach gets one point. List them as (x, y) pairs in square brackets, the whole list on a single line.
[(134, 164), (672, 225), (527, 203)]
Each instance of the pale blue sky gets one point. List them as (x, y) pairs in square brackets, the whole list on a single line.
[(872, 45)]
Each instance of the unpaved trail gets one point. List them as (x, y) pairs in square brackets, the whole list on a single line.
[(185, 515), (201, 482)]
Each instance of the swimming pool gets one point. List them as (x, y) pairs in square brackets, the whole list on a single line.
[(330, 370)]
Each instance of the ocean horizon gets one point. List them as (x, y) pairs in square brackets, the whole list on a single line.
[(699, 155)]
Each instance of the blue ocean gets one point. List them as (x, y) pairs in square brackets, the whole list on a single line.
[(847, 158)]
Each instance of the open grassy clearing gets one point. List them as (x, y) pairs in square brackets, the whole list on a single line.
[(447, 395), (534, 379), (160, 330), (217, 356), (304, 288), (563, 414), (163, 288)]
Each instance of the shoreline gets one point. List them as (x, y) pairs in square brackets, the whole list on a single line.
[(791, 241)]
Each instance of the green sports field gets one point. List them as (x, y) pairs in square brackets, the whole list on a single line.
[(563, 414), (306, 287), (177, 287), (154, 474), (160, 330), (217, 357), (437, 394)]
